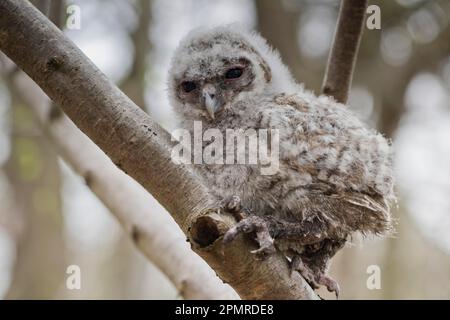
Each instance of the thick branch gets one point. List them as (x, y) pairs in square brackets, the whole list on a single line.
[(136, 144), (207, 231), (342, 58), (154, 232)]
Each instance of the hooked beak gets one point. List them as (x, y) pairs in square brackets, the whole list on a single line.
[(211, 105), (210, 101)]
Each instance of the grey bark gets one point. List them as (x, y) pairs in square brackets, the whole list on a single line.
[(150, 229)]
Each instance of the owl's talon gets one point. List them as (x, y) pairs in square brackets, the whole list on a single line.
[(331, 284), (266, 246), (233, 206), (230, 235), (298, 265), (314, 279), (253, 224)]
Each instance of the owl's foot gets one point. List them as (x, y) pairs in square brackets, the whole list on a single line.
[(330, 283), (233, 206), (251, 224), (298, 265), (315, 279)]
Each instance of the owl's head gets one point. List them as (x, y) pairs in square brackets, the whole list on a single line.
[(214, 68)]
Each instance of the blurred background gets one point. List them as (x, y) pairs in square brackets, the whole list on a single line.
[(49, 219)]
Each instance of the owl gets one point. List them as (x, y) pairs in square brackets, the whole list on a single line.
[(334, 178)]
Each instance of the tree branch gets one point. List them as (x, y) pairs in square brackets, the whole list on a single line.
[(342, 58), (134, 84), (56, 13), (153, 231), (138, 146)]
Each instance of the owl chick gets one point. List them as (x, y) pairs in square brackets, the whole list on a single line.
[(335, 176)]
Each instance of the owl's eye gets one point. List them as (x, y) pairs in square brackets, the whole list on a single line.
[(188, 86), (234, 73)]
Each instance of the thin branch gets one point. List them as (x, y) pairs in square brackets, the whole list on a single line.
[(342, 58), (134, 84), (42, 5), (56, 12), (153, 231), (138, 146)]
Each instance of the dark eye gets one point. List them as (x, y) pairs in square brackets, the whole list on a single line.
[(234, 73), (188, 86)]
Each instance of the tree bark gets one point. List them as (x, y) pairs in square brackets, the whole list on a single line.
[(134, 86), (140, 147), (154, 232), (342, 58)]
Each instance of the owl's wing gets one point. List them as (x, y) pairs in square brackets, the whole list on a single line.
[(346, 169), (361, 212), (343, 213)]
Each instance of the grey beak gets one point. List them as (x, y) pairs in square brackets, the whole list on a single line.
[(210, 100), (211, 105)]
